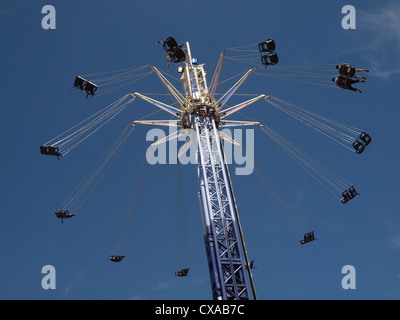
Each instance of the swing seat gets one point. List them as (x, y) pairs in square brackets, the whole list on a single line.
[(182, 273), (114, 258), (365, 138), (347, 70), (85, 85), (79, 83), (308, 237), (358, 146), (50, 151), (90, 88), (174, 51), (269, 59), (170, 44), (177, 55), (63, 214), (346, 196), (266, 46), (352, 192), (349, 194)]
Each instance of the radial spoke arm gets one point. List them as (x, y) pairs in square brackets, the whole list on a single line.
[(171, 137), (174, 111), (231, 110), (185, 147), (237, 123), (214, 81), (177, 95), (169, 123), (224, 99), (229, 139)]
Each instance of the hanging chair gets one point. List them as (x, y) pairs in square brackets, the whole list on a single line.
[(267, 45)]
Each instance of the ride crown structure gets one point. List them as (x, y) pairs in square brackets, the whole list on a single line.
[(203, 112)]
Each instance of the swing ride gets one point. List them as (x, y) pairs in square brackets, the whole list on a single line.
[(205, 112)]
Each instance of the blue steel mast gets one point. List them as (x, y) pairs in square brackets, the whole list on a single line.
[(229, 272), (224, 250), (229, 267)]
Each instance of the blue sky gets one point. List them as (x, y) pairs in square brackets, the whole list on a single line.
[(38, 68)]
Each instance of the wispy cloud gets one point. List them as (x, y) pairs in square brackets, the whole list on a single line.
[(4, 11), (396, 241), (161, 286), (72, 283), (383, 44)]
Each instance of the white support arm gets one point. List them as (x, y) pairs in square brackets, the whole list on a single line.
[(171, 137), (215, 78), (224, 99), (177, 95), (240, 106), (169, 123), (159, 104), (238, 123)]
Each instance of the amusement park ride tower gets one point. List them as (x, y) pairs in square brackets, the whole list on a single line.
[(228, 263), (230, 271), (200, 111)]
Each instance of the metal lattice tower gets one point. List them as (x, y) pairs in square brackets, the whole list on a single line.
[(199, 111), (225, 256)]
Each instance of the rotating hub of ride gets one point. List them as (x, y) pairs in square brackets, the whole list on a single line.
[(205, 107)]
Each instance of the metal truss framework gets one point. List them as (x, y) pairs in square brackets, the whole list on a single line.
[(225, 258), (229, 267)]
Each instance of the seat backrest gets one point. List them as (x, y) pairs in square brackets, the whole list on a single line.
[(170, 44), (90, 88), (79, 83), (366, 138), (269, 59), (179, 55), (353, 192), (267, 45), (358, 146)]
